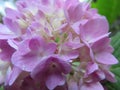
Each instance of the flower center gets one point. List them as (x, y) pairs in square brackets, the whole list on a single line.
[(53, 65)]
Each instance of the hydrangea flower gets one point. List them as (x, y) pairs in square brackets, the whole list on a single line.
[(55, 45), (52, 70)]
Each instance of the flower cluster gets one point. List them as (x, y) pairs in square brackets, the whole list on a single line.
[(54, 45)]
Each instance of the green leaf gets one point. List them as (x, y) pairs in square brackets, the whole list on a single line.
[(115, 68), (1, 88), (109, 8), (116, 45)]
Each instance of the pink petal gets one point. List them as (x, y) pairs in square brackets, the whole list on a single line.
[(55, 80), (6, 50), (92, 27), (23, 48), (12, 75), (13, 44), (12, 14), (12, 25), (106, 58), (110, 76), (39, 70), (100, 75), (50, 48), (59, 3), (35, 43), (26, 63), (75, 27), (102, 45), (70, 55), (73, 11), (92, 86), (38, 44), (91, 67), (99, 38), (72, 85), (85, 54), (5, 33)]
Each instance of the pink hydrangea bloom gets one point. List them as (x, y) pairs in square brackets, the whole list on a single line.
[(52, 70), (55, 45), (31, 51)]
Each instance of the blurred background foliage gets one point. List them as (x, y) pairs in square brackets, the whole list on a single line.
[(108, 8), (111, 9)]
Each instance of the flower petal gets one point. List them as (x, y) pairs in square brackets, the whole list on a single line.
[(106, 58), (26, 62), (55, 80), (5, 33), (73, 11), (12, 75), (12, 25), (92, 27), (102, 45), (92, 86), (12, 14), (91, 67)]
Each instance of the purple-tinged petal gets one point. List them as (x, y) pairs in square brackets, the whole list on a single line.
[(76, 26), (30, 51), (36, 74), (92, 27), (92, 86), (46, 63), (12, 14), (5, 33), (100, 75), (6, 50), (55, 80), (50, 48), (84, 54), (23, 47), (21, 5), (64, 87), (51, 70), (69, 50), (12, 75), (109, 76), (106, 58), (12, 43), (102, 45), (59, 3), (12, 25), (68, 3), (74, 11), (25, 62), (68, 55), (65, 66), (91, 67), (89, 50), (35, 44), (38, 44), (29, 84), (99, 38), (73, 43), (72, 85), (45, 2)]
